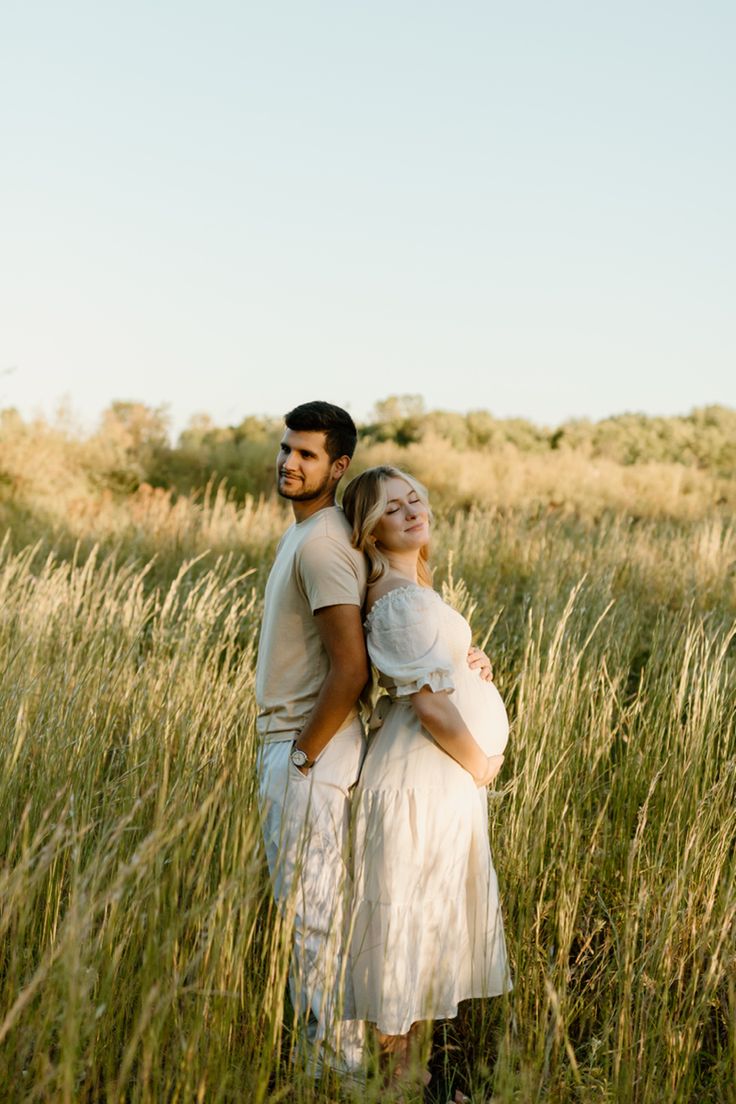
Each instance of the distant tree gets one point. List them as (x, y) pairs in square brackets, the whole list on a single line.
[(397, 407), (136, 425), (482, 429), (399, 418), (451, 427), (242, 454), (197, 429), (524, 435), (714, 437), (258, 429), (133, 440)]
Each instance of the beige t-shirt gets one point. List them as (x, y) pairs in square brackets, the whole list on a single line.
[(315, 566)]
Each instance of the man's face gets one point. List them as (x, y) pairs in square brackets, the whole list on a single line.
[(303, 468)]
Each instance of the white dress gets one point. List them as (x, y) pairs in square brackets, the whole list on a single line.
[(427, 930)]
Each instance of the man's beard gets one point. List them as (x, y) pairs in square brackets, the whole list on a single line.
[(305, 494)]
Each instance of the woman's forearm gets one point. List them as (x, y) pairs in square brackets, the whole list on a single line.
[(447, 728)]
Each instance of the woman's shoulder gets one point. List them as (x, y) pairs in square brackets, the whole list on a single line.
[(393, 600)]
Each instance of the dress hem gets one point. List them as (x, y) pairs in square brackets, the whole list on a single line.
[(418, 1016)]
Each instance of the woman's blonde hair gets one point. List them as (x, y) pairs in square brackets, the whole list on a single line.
[(364, 502)]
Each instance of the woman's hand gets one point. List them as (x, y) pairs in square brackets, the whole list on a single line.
[(493, 766), (479, 661)]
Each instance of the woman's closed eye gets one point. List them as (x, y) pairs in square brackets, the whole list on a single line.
[(396, 506)]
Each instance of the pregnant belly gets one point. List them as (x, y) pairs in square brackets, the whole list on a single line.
[(483, 711)]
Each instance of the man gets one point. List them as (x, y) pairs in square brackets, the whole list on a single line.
[(311, 669), (312, 666)]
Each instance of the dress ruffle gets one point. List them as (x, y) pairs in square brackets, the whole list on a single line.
[(437, 681), (398, 598)]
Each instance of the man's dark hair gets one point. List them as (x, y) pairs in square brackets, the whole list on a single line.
[(322, 417)]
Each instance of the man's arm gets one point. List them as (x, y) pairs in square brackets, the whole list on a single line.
[(341, 633)]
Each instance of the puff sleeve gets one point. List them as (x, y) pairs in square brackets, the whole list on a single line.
[(405, 641)]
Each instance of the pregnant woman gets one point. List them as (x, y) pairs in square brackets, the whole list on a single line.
[(427, 930)]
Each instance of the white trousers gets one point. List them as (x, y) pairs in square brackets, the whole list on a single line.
[(306, 820)]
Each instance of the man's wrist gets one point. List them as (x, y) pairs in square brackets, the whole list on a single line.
[(299, 757)]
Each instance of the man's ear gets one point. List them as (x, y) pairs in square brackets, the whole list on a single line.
[(340, 466)]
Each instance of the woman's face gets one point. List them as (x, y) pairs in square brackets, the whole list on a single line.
[(404, 524)]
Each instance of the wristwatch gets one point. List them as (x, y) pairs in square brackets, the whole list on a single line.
[(299, 758)]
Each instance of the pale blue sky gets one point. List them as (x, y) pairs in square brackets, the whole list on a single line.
[(233, 207)]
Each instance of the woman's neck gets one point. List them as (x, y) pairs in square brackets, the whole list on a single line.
[(404, 564)]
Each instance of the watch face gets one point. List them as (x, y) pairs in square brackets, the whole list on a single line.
[(298, 757)]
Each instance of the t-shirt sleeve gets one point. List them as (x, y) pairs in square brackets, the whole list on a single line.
[(331, 573), (405, 641)]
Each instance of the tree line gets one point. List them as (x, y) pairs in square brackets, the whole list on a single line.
[(132, 444)]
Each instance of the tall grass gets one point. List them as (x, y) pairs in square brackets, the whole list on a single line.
[(142, 959)]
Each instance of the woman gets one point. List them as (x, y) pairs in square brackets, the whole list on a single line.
[(427, 928)]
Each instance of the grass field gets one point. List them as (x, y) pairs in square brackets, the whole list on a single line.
[(142, 959)]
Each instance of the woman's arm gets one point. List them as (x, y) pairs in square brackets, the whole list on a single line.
[(445, 725)]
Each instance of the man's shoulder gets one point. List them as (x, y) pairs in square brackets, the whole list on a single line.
[(326, 548), (330, 524)]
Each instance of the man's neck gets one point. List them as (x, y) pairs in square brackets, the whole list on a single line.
[(304, 510)]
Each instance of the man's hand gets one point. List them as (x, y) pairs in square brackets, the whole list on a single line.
[(479, 661)]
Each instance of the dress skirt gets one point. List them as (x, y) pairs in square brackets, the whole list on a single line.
[(427, 930)]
